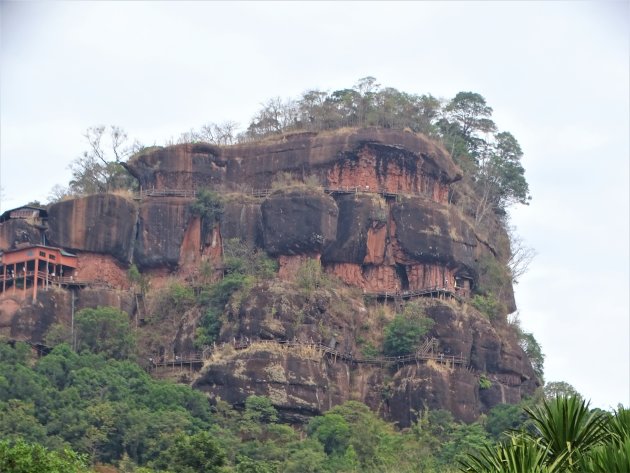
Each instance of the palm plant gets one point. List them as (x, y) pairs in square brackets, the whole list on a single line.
[(566, 437), (520, 455), (566, 427)]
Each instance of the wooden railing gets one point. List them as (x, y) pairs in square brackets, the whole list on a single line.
[(262, 193), (435, 291), (426, 352), (49, 278)]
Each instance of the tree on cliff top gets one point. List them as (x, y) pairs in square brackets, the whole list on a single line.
[(490, 158), (99, 168)]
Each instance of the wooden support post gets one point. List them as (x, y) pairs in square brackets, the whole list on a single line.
[(35, 277)]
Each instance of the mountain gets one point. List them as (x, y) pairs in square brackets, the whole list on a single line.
[(311, 268)]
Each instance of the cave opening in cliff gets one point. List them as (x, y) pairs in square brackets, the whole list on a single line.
[(401, 272)]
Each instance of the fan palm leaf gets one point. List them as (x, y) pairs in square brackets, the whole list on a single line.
[(567, 428)]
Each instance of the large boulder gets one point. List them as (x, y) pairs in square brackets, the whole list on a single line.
[(103, 223), (162, 224), (359, 216), (242, 219), (255, 165), (429, 232), (298, 220)]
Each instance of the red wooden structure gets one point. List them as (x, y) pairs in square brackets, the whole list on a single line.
[(36, 266)]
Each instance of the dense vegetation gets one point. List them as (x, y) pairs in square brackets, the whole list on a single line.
[(66, 411)]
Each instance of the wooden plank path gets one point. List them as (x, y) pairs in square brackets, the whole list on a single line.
[(426, 352), (263, 193), (50, 279), (439, 292)]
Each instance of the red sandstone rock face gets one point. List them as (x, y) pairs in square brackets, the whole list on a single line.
[(103, 223), (370, 278), (255, 165), (382, 169), (91, 297), (162, 225), (375, 245), (22, 319), (8, 307), (242, 220), (298, 221), (102, 269), (18, 232)]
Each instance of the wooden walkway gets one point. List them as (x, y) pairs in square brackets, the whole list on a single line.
[(263, 193), (195, 360), (435, 292), (426, 352), (48, 279)]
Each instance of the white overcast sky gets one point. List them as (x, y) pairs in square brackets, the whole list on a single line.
[(556, 74)]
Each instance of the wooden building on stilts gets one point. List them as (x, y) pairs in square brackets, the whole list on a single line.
[(37, 266)]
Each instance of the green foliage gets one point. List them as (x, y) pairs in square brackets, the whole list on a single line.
[(192, 454), (105, 330), (532, 349), (260, 409), (530, 345), (23, 457), (209, 327), (405, 333), (57, 334), (242, 259), (208, 206), (520, 455), (102, 408), (484, 383), (365, 104), (555, 389), (487, 305), (567, 437), (137, 278), (179, 297), (99, 169), (463, 440), (310, 276), (370, 351), (243, 266), (503, 418), (113, 412), (566, 426)]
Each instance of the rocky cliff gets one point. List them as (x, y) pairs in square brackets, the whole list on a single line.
[(370, 206)]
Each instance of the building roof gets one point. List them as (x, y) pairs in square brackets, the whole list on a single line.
[(7, 215), (61, 250)]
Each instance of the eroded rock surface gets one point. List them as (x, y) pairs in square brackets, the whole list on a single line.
[(298, 221), (161, 227), (302, 380), (256, 165), (103, 223)]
